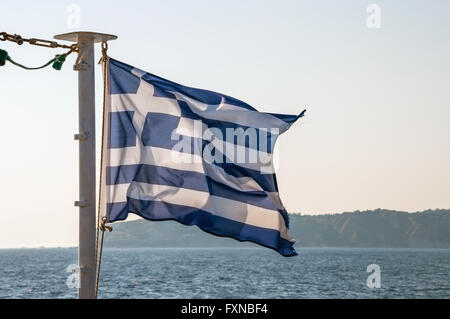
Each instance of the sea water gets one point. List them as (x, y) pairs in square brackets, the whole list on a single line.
[(231, 273)]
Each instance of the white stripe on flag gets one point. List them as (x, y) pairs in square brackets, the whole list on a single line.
[(178, 160), (219, 206), (232, 113)]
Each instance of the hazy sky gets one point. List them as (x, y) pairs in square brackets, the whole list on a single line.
[(377, 130)]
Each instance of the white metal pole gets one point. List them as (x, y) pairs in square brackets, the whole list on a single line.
[(85, 66), (86, 124)]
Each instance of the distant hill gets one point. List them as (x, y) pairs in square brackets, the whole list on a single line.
[(378, 228)]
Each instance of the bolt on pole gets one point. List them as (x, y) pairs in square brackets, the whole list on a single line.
[(85, 66)]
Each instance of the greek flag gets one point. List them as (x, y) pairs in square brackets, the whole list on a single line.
[(171, 152)]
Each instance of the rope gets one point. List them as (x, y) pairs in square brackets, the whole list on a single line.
[(102, 227), (29, 68), (57, 62)]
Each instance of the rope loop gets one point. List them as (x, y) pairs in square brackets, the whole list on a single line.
[(104, 52), (102, 227)]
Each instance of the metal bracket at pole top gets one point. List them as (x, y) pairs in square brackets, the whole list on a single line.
[(80, 64)]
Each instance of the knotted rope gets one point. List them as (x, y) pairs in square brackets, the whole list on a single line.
[(101, 226)]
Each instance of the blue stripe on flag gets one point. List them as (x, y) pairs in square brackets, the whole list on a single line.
[(204, 96), (122, 132), (158, 130), (160, 175), (130, 83), (256, 198), (151, 174), (266, 181), (219, 226), (227, 128), (122, 80)]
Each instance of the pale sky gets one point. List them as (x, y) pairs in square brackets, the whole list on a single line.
[(376, 133)]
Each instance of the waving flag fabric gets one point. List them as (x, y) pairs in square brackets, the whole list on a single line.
[(201, 158)]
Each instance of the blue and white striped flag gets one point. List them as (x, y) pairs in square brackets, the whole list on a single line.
[(201, 158)]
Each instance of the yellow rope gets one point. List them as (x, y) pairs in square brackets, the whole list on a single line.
[(103, 61), (102, 226)]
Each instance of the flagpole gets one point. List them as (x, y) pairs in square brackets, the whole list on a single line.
[(85, 65)]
